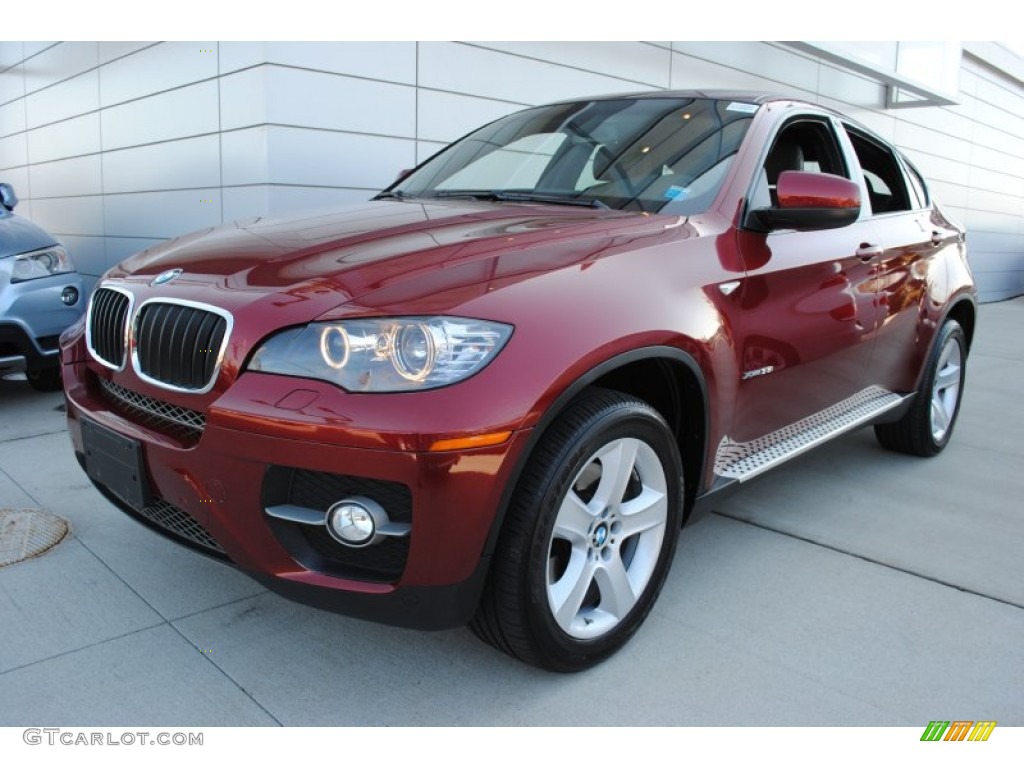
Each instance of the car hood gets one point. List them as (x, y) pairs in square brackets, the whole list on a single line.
[(18, 235), (389, 253)]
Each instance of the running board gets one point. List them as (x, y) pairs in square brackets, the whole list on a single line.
[(743, 461)]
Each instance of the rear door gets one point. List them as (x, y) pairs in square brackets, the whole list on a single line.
[(897, 224)]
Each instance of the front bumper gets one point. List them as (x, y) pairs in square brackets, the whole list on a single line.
[(249, 455), (32, 317)]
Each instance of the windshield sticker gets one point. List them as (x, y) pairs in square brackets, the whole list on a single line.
[(674, 193), (739, 106)]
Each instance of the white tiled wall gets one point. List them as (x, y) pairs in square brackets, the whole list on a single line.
[(116, 145), (159, 166)]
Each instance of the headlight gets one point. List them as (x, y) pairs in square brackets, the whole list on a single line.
[(394, 354), (42, 263)]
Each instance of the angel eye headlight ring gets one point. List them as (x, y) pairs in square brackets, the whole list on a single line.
[(331, 338), (413, 351)]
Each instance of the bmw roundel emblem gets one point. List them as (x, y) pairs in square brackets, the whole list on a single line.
[(165, 277)]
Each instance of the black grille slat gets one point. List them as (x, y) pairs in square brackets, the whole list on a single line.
[(97, 324), (143, 344), (121, 324), (198, 357), (177, 344), (184, 358), (102, 328), (107, 326), (206, 351), (156, 347)]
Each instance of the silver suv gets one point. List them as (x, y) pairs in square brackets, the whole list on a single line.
[(40, 296)]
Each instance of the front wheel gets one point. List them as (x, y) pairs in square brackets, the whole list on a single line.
[(927, 427), (589, 536)]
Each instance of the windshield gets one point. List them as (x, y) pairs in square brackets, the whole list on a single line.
[(667, 155)]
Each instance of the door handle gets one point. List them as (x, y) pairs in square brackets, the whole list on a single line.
[(868, 251), (938, 236)]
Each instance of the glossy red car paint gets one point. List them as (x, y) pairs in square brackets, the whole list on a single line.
[(816, 190), (733, 333)]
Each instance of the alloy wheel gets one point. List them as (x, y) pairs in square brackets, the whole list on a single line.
[(607, 538), (946, 388)]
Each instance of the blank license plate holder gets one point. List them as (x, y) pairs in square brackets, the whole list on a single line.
[(116, 462)]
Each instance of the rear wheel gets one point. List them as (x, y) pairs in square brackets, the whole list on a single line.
[(927, 427), (588, 538)]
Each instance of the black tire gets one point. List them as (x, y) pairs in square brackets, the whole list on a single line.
[(926, 428), (596, 546), (45, 379)]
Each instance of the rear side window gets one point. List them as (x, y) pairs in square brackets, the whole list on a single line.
[(917, 186), (887, 187)]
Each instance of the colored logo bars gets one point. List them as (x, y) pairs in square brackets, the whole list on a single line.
[(958, 730)]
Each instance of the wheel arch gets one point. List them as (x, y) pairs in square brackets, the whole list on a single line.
[(666, 378), (965, 312)]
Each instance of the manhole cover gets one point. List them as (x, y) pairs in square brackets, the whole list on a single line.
[(26, 533)]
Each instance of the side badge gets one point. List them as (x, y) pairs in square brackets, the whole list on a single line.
[(165, 277), (757, 372)]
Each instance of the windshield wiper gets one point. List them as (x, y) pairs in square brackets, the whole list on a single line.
[(519, 196), (541, 197), (395, 194)]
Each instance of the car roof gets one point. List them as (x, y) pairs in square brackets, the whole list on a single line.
[(751, 97)]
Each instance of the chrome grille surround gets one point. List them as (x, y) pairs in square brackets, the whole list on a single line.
[(182, 422), (106, 325), (112, 323), (141, 338)]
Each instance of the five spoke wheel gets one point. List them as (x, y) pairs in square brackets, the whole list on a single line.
[(606, 538), (589, 535), (946, 388), (925, 429)]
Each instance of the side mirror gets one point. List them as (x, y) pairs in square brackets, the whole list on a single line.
[(7, 197), (402, 174), (809, 201)]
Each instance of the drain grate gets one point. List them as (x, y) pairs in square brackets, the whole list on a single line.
[(27, 533)]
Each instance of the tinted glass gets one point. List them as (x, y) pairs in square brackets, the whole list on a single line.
[(649, 154), (917, 185), (887, 188), (805, 144)]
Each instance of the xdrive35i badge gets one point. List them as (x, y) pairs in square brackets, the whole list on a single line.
[(165, 277)]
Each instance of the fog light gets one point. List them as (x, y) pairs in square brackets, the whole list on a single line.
[(69, 296), (355, 521)]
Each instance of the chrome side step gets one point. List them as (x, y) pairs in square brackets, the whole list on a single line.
[(743, 461)]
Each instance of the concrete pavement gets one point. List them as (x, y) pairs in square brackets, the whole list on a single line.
[(851, 586)]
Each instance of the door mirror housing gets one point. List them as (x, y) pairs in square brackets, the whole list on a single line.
[(808, 201), (7, 197)]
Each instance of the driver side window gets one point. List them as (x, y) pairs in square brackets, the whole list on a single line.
[(805, 144)]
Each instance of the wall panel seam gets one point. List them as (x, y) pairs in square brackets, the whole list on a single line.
[(483, 47)]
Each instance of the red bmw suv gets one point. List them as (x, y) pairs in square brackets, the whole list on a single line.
[(493, 394)]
